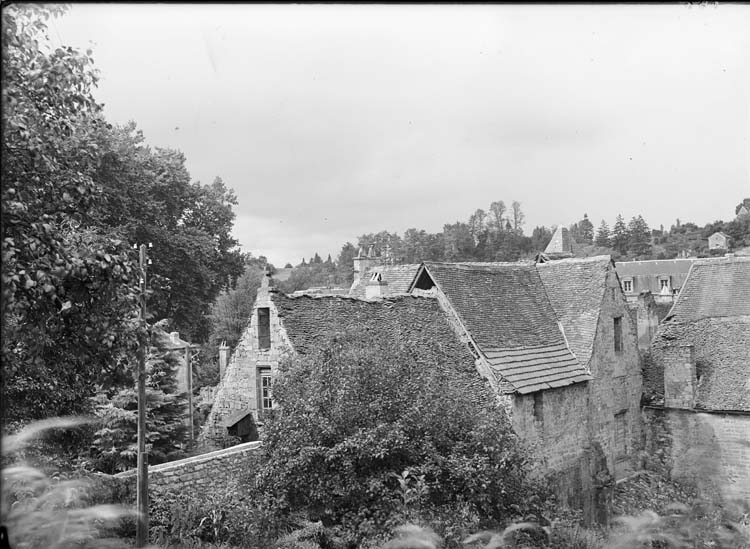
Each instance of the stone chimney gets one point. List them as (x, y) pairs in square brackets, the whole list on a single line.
[(223, 359), (376, 286), (680, 380), (363, 262)]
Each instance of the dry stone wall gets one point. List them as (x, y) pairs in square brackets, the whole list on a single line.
[(213, 473)]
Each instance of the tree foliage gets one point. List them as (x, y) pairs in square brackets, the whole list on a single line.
[(115, 443), (76, 194), (68, 287), (361, 413)]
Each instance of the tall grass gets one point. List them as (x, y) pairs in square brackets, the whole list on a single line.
[(50, 512)]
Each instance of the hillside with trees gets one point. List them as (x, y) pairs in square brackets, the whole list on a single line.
[(497, 234)]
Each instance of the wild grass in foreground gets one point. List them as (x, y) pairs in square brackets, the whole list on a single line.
[(43, 512)]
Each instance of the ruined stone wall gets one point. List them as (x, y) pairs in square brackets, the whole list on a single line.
[(614, 405), (212, 473), (706, 449), (679, 376)]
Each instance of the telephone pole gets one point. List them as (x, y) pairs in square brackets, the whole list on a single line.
[(141, 535)]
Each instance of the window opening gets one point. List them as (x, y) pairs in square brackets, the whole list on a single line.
[(618, 333), (264, 328)]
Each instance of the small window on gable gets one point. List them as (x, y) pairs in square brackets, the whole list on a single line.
[(627, 285), (539, 406), (376, 277), (618, 333), (264, 328)]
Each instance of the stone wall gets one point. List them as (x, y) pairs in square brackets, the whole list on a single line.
[(212, 473), (554, 423), (679, 376), (614, 403), (711, 450)]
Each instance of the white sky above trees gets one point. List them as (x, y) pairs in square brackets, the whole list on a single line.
[(330, 121)]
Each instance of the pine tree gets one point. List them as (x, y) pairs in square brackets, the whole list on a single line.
[(620, 236), (586, 230), (602, 235), (639, 237)]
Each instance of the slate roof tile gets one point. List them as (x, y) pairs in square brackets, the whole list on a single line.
[(506, 311), (575, 288), (398, 278), (310, 321), (712, 313), (714, 288)]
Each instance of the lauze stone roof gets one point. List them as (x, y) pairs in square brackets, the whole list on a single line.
[(712, 313), (398, 277), (310, 321), (575, 288), (507, 313)]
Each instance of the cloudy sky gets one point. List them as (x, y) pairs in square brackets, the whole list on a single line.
[(330, 121)]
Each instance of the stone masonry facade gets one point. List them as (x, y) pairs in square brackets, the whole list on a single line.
[(710, 449), (215, 472), (238, 390)]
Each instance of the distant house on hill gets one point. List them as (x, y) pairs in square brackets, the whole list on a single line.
[(718, 241), (662, 277), (743, 211), (697, 377)]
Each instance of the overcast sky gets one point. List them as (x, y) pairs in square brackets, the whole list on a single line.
[(330, 121)]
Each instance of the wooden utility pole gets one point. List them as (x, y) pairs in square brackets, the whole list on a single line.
[(189, 373), (141, 535)]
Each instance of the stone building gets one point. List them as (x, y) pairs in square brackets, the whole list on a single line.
[(662, 277), (554, 340), (282, 325), (557, 341), (718, 241), (697, 379)]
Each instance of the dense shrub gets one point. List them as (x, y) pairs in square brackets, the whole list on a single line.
[(367, 436)]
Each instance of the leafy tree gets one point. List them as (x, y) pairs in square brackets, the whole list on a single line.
[(518, 217), (602, 235), (639, 237), (146, 195), (231, 311), (69, 288), (477, 225), (459, 243), (360, 413), (497, 216), (620, 236)]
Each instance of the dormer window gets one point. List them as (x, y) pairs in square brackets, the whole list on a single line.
[(627, 285), (376, 277), (664, 285)]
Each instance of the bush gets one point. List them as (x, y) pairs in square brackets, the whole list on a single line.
[(368, 436)]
